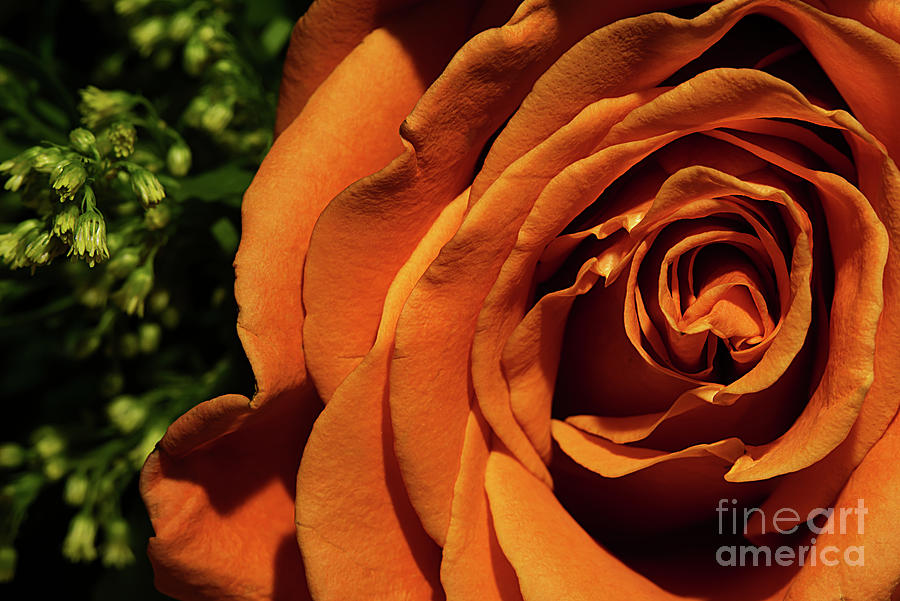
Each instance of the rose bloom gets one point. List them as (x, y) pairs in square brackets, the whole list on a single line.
[(553, 301)]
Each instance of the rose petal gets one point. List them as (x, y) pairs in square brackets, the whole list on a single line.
[(817, 485), (682, 197), (531, 358), (596, 353), (367, 232), (368, 94), (859, 246), (648, 122), (436, 328), (473, 565), (613, 461), (333, 29), (876, 485), (220, 493), (881, 15), (495, 227), (320, 40), (553, 557), (356, 529), (624, 510), (639, 53), (349, 482)]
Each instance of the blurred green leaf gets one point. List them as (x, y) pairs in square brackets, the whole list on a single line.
[(223, 184), (226, 235), (276, 35)]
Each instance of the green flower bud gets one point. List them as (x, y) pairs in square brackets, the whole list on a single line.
[(79, 542), (158, 301), (124, 262), (76, 489), (98, 106), (149, 335), (127, 413), (7, 563), (158, 217), (181, 26), (196, 55), (90, 236), (11, 455), (116, 550), (122, 136), (147, 34), (22, 161), (206, 33), (217, 117), (14, 182), (47, 159), (178, 159), (129, 7), (64, 222), (12, 244), (82, 140), (9, 246), (48, 442), (225, 66), (18, 168), (146, 187), (255, 140), (41, 248), (195, 110), (67, 178), (93, 296), (135, 290), (55, 468)]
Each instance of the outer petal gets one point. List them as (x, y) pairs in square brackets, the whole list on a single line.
[(381, 218), (359, 536), (871, 503), (331, 29), (220, 490), (368, 232), (346, 130), (321, 39)]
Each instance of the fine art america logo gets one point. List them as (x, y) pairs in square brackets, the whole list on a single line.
[(846, 520)]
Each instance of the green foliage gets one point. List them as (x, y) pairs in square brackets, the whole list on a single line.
[(129, 130)]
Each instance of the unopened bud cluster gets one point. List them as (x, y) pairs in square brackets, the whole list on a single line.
[(230, 102), (101, 163)]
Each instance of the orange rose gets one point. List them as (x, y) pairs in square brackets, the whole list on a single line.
[(620, 298)]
